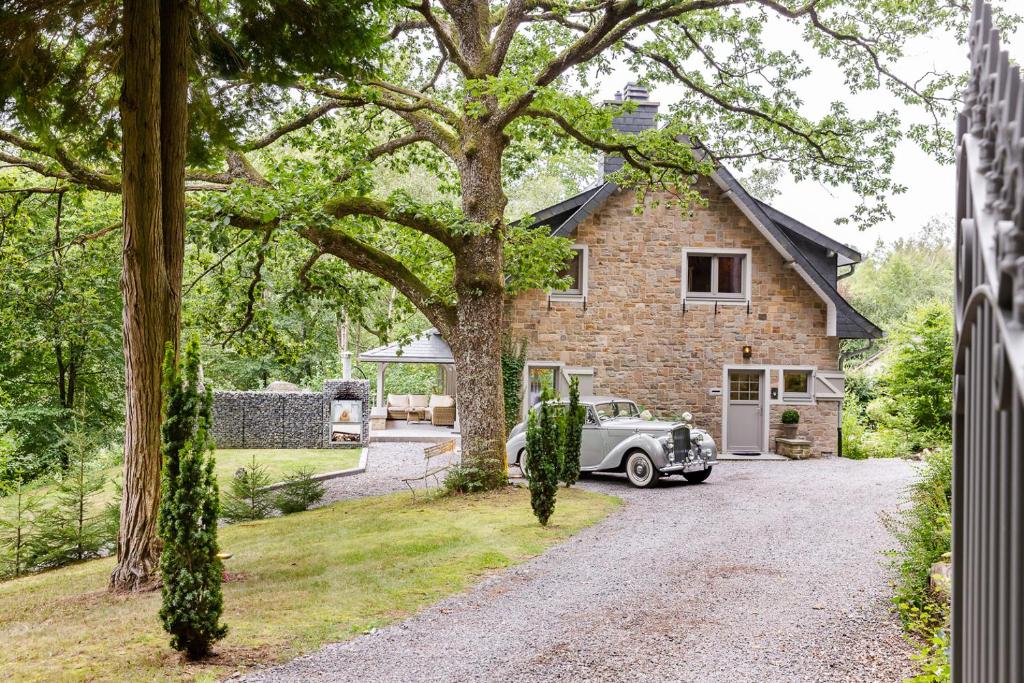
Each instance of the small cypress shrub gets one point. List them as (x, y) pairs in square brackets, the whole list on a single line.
[(572, 436), (300, 491), (72, 528), (189, 504), (544, 457), (248, 498)]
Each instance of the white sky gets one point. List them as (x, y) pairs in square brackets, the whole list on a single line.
[(930, 185)]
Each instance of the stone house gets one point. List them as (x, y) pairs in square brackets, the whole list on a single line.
[(729, 311)]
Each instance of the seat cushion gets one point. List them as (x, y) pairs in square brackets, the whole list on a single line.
[(398, 400), (418, 400), (441, 401)]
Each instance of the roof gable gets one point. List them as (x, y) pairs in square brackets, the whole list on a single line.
[(843, 320)]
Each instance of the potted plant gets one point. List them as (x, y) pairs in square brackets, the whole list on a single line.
[(790, 422)]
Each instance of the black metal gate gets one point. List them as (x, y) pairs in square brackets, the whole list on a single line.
[(988, 447)]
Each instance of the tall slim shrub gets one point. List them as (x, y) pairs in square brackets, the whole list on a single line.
[(572, 435), (72, 528), (189, 505), (513, 362), (544, 457)]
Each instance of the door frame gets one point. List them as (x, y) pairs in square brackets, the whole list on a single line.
[(765, 371)]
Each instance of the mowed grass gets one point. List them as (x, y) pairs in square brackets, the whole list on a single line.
[(281, 462), (297, 582), (278, 463)]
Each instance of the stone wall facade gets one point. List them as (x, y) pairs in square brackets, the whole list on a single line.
[(643, 343), (286, 419)]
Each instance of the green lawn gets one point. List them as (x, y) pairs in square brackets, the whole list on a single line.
[(278, 462), (301, 580)]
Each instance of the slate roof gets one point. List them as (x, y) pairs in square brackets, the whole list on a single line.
[(427, 347), (787, 234)]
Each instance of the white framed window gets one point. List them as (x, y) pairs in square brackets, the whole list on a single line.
[(716, 275), (797, 385), (576, 269)]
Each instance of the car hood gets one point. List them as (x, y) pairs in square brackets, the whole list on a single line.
[(636, 424)]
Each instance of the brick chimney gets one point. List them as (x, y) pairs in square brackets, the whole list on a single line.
[(641, 118)]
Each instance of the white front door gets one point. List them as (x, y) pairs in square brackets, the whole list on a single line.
[(745, 406)]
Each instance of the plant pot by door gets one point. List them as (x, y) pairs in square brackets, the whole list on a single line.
[(788, 431)]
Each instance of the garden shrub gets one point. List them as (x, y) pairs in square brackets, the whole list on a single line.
[(247, 498), (72, 528), (923, 531), (790, 417), (544, 457), (572, 435), (189, 503), (300, 491)]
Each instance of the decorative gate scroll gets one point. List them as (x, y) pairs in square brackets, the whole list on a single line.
[(988, 446)]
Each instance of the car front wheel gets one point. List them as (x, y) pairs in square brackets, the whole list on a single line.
[(697, 477), (522, 464), (640, 470)]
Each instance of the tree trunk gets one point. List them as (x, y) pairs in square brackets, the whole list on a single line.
[(476, 339), (154, 121), (476, 347)]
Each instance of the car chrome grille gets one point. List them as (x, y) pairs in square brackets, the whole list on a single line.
[(680, 443)]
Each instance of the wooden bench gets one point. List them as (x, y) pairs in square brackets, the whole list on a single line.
[(433, 467)]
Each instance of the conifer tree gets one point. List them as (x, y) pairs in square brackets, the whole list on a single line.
[(17, 529), (248, 498), (544, 457), (572, 435), (189, 505), (73, 527)]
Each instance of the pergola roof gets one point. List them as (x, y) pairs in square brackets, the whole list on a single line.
[(426, 347)]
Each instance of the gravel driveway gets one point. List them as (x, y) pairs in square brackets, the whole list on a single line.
[(768, 572)]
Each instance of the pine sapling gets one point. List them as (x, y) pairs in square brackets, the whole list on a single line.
[(300, 491), (247, 498), (73, 528), (572, 435), (17, 530), (189, 504)]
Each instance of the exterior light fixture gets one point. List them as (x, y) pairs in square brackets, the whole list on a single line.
[(748, 351)]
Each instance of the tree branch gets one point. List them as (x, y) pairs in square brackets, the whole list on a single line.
[(375, 208), (374, 261)]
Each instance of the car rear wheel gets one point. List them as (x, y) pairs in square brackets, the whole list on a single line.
[(697, 477), (640, 470)]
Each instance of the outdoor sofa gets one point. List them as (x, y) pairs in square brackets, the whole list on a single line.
[(439, 408)]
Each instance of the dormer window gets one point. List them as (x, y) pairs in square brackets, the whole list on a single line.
[(715, 275), (576, 271)]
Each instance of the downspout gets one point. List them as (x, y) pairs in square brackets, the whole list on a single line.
[(840, 276)]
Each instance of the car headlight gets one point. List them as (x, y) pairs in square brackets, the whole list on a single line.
[(666, 443)]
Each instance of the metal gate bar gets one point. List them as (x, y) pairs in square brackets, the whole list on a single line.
[(988, 446)]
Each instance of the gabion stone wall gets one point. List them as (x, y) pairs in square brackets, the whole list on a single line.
[(291, 419), (345, 389)]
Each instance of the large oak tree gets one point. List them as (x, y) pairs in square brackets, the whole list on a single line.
[(477, 91)]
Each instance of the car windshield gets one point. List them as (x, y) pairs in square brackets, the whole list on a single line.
[(616, 409)]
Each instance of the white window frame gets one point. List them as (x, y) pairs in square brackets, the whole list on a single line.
[(802, 397), (581, 293), (713, 297)]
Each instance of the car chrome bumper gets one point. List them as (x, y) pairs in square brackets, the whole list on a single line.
[(697, 465)]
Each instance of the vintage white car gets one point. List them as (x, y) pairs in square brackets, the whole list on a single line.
[(617, 438)]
